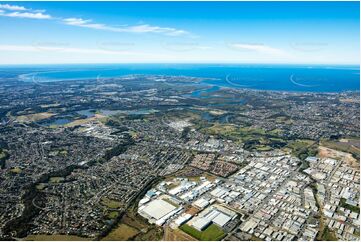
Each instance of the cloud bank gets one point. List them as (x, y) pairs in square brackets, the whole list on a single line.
[(15, 11), (12, 7), (145, 28), (260, 48), (45, 48)]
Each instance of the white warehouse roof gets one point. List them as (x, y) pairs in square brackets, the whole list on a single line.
[(201, 223), (221, 219), (158, 208)]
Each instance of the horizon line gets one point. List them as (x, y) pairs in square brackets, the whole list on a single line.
[(181, 63)]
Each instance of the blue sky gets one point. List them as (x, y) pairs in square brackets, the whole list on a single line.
[(179, 32)]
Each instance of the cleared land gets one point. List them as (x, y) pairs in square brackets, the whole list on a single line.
[(111, 203), (146, 231), (351, 146), (332, 153), (34, 117), (122, 232), (176, 235)]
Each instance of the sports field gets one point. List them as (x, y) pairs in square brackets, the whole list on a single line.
[(211, 233)]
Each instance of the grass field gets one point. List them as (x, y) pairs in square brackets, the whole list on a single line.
[(112, 214), (41, 186), (253, 138), (34, 117), (56, 179), (16, 170), (211, 233), (148, 231), (2, 154), (110, 203), (349, 206), (328, 235), (78, 122), (122, 232), (55, 237), (303, 148)]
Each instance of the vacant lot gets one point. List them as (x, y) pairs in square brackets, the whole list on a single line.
[(335, 154), (56, 179), (110, 203), (346, 145), (122, 232), (176, 235), (192, 210), (34, 117)]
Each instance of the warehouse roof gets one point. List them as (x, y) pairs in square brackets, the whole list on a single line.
[(158, 208)]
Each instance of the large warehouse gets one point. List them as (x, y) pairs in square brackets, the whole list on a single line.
[(214, 214), (157, 211)]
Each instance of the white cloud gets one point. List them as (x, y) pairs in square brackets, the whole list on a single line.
[(63, 49), (22, 12), (264, 49), (144, 28), (184, 46), (12, 7), (37, 15), (15, 11)]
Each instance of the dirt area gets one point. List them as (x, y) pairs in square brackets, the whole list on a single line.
[(34, 117), (217, 112), (325, 152), (176, 235), (349, 100), (346, 145), (192, 210)]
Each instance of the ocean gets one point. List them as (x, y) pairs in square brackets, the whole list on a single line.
[(306, 78)]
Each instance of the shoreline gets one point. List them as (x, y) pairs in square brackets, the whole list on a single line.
[(204, 81)]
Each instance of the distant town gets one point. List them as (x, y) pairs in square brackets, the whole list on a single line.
[(155, 157)]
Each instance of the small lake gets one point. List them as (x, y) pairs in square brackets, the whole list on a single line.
[(88, 113), (199, 93), (59, 121)]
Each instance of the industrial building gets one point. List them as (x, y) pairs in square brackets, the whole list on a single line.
[(213, 214), (157, 211)]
